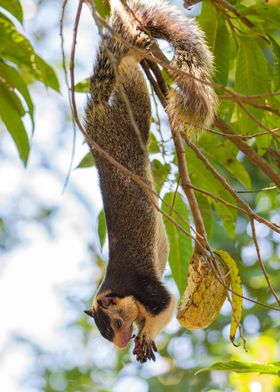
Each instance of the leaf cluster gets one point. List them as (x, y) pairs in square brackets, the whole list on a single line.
[(19, 66)]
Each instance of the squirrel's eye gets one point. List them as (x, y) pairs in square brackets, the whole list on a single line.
[(118, 324)]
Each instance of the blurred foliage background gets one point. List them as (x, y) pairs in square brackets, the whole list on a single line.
[(78, 358)]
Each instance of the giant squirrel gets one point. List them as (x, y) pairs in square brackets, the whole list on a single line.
[(118, 119)]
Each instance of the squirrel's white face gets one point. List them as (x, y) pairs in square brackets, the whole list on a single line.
[(119, 313)]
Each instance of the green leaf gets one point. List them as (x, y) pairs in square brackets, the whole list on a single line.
[(222, 152), (244, 367), (218, 38), (202, 178), (263, 143), (102, 8), (160, 172), (87, 161), (12, 120), (251, 76), (14, 7), (46, 74), (2, 225), (269, 15), (83, 86), (276, 74), (207, 213), (168, 80), (12, 99), (14, 81), (102, 228), (17, 49), (153, 144), (14, 46), (214, 390), (181, 249)]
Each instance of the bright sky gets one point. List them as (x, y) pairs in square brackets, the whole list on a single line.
[(37, 270)]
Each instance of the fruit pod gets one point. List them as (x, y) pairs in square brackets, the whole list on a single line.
[(204, 295)]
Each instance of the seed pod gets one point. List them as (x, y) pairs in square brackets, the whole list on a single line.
[(204, 295)]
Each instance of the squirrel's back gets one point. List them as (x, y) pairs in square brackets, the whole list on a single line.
[(120, 126)]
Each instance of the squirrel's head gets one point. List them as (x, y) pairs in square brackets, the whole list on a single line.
[(114, 317)]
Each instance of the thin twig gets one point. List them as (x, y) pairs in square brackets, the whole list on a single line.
[(234, 11), (155, 85), (269, 188), (186, 185), (252, 215), (229, 188), (64, 67), (175, 195), (245, 98), (240, 136), (264, 107), (250, 102), (254, 236), (254, 119), (158, 123), (183, 168), (218, 199), (251, 154), (157, 72)]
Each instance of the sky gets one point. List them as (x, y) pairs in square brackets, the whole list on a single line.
[(45, 261)]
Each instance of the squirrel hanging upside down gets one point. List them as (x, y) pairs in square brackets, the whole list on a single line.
[(118, 119)]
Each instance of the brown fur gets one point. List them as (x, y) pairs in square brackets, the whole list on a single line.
[(193, 104), (131, 290), (118, 120)]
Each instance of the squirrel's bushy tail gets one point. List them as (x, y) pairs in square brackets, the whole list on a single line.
[(194, 103)]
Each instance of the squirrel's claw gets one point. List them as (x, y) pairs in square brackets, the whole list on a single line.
[(144, 349)]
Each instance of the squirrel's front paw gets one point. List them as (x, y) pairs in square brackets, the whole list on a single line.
[(142, 39), (144, 349)]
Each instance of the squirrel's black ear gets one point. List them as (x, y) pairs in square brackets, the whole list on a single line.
[(107, 301), (89, 312)]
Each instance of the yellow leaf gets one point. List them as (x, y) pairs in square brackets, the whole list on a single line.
[(236, 286)]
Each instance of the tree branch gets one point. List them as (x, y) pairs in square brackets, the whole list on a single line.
[(160, 86), (251, 154), (252, 215)]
